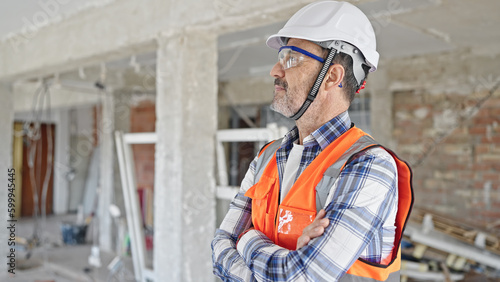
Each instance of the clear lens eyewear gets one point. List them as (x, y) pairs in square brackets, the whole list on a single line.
[(291, 56)]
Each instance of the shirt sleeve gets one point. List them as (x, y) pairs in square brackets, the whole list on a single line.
[(361, 203), (227, 263)]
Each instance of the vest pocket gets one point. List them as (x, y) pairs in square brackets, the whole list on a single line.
[(291, 222), (262, 195)]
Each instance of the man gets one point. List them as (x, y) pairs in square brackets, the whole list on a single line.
[(325, 202)]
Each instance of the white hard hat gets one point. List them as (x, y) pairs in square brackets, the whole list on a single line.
[(329, 22)]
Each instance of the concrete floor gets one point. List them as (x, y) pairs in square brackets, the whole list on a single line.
[(55, 261)]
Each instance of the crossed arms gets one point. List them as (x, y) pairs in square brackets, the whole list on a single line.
[(365, 197)]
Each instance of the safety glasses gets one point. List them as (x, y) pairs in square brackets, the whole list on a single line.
[(291, 56)]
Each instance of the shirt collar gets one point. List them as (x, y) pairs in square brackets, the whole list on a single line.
[(290, 138), (322, 136)]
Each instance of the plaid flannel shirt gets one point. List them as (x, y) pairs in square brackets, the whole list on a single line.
[(361, 213)]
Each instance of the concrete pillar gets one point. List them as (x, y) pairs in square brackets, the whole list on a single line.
[(186, 111), (381, 108), (107, 152), (7, 117), (61, 160)]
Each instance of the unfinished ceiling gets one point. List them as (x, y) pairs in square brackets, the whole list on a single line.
[(20, 14), (404, 28)]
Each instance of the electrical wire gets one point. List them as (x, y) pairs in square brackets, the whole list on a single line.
[(33, 130), (48, 171)]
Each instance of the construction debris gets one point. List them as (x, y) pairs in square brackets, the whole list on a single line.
[(473, 235), (439, 248)]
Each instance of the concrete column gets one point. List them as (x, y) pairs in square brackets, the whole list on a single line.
[(186, 111), (107, 152), (381, 108), (7, 117), (61, 161)]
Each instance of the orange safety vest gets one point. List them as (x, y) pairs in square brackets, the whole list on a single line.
[(283, 223)]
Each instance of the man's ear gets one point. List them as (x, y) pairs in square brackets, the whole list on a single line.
[(334, 76)]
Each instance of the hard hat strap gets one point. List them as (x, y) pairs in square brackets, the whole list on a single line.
[(315, 88)]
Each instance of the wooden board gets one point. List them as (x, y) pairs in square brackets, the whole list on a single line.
[(40, 165)]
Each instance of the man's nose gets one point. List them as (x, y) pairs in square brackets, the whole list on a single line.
[(277, 71)]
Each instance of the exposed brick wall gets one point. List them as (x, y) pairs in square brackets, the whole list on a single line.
[(143, 119), (454, 151)]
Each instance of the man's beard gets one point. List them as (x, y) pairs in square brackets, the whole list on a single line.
[(285, 104), (282, 104)]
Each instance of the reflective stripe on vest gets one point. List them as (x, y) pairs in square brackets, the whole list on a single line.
[(283, 223)]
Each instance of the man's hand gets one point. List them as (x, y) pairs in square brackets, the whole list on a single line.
[(313, 230)]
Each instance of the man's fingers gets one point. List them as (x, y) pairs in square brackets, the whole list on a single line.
[(302, 241), (320, 220), (306, 240), (324, 222), (318, 231), (320, 214), (313, 230)]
